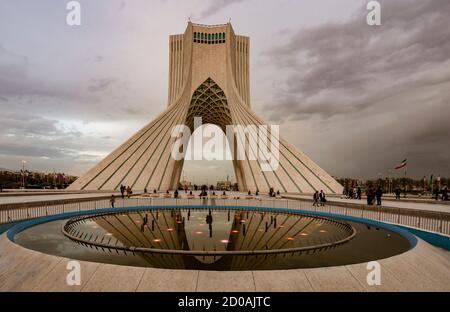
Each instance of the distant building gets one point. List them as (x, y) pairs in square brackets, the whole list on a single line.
[(224, 185)]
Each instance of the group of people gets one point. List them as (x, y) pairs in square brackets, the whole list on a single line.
[(125, 189), (319, 198), (273, 194), (443, 194), (373, 194), (351, 194)]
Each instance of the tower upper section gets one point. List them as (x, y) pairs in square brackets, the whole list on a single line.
[(209, 51)]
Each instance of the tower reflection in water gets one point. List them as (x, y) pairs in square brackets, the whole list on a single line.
[(215, 231)]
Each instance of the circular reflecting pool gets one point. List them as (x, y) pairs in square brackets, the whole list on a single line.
[(214, 239)]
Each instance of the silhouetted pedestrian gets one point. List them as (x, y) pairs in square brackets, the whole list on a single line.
[(379, 194), (129, 191), (397, 193), (322, 198), (122, 191), (316, 199), (369, 195), (112, 201), (358, 192), (436, 193), (445, 193)]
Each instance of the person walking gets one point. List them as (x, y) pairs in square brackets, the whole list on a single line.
[(378, 195), (122, 191), (322, 198), (369, 195), (436, 193), (112, 201), (397, 193), (358, 192), (316, 199), (129, 191), (350, 193), (445, 193)]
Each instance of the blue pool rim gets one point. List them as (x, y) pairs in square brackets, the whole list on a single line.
[(404, 231)]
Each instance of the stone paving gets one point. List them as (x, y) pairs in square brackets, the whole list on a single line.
[(424, 268)]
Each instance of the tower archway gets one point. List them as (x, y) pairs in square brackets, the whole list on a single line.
[(210, 103)]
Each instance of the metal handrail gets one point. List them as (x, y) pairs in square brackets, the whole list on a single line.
[(432, 221), (68, 231)]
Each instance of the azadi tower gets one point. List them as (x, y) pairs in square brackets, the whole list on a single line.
[(209, 78)]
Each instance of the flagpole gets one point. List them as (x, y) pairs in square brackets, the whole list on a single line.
[(404, 179)]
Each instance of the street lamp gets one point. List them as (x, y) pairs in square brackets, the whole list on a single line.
[(23, 173)]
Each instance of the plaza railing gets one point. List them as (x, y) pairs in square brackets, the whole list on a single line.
[(431, 221)]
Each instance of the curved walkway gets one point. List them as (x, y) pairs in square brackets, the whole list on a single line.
[(424, 268)]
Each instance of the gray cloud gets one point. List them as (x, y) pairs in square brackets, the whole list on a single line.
[(45, 141), (215, 6), (372, 95), (341, 68), (356, 99), (13, 68), (99, 85)]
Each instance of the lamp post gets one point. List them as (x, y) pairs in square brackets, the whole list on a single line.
[(389, 181), (23, 173)]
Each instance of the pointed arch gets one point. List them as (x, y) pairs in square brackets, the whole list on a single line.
[(209, 102)]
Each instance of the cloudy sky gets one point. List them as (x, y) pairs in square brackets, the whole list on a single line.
[(357, 99)]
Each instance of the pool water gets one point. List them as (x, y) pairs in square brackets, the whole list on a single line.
[(214, 239)]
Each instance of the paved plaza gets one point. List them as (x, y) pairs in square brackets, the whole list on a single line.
[(424, 268)]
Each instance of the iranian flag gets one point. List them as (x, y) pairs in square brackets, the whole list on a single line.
[(402, 164)]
